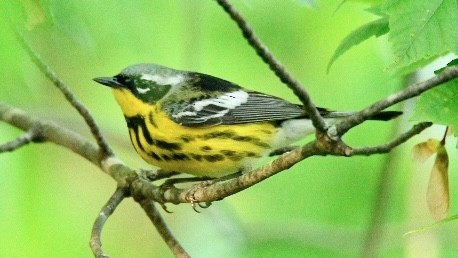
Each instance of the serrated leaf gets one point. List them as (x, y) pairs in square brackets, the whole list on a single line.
[(439, 105), (422, 151), (421, 30), (438, 194), (375, 28)]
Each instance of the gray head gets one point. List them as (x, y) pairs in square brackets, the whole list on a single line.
[(148, 82)]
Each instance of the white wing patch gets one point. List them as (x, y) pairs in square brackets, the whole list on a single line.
[(163, 80), (142, 90), (227, 101)]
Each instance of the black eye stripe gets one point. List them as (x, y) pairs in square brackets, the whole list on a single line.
[(120, 78), (126, 81)]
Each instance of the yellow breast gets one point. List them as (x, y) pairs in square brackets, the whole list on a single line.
[(204, 151)]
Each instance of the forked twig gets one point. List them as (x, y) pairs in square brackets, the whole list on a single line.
[(387, 147), (32, 135), (450, 73), (105, 213)]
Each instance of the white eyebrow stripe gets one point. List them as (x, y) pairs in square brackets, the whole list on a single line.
[(163, 80)]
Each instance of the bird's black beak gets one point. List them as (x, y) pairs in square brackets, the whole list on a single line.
[(109, 81)]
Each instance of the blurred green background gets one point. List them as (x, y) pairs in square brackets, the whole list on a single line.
[(321, 207)]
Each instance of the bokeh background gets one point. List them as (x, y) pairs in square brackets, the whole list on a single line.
[(322, 207)]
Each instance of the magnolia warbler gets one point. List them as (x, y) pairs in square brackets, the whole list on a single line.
[(198, 124)]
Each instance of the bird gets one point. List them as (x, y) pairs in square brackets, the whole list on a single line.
[(194, 123)]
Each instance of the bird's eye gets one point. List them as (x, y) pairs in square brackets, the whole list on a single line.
[(121, 79), (126, 81)]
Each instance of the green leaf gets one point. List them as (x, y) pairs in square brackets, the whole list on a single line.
[(375, 28), (421, 30), (439, 105)]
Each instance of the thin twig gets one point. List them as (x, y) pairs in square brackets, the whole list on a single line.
[(384, 148), (32, 135), (275, 66), (155, 217), (446, 133), (414, 90), (105, 149), (105, 213)]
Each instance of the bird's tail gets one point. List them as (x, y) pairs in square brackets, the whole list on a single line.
[(382, 116), (385, 115)]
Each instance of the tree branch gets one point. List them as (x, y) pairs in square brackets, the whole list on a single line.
[(52, 132), (414, 90), (105, 149), (208, 192), (108, 209), (32, 135), (213, 191), (384, 148), (161, 226), (275, 66)]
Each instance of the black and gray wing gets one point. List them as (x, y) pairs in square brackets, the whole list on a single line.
[(236, 107), (227, 103)]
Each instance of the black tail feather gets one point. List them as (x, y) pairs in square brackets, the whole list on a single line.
[(385, 115)]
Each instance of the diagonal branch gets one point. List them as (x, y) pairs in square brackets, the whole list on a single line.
[(384, 148), (161, 226), (105, 149), (105, 213), (213, 191), (414, 90), (32, 135), (275, 66)]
